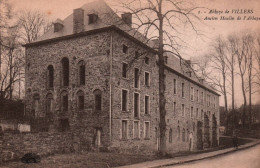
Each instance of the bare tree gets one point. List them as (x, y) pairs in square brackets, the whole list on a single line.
[(161, 19), (231, 64), (32, 25), (12, 62), (214, 69), (219, 64)]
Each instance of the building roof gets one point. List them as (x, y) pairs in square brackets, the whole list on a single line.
[(107, 20)]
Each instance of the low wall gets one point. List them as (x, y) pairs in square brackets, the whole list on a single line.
[(14, 145)]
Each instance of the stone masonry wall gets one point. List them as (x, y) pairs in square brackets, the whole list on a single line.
[(175, 119), (132, 144), (93, 50), (14, 145)]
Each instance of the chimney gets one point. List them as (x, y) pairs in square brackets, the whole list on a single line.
[(78, 20), (58, 25), (127, 18)]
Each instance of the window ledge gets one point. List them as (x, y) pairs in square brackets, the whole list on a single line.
[(146, 138)]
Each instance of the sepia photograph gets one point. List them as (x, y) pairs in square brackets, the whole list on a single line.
[(129, 83)]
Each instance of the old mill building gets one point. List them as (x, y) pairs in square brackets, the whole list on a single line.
[(92, 74)]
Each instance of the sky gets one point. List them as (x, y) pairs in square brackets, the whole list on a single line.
[(196, 45)]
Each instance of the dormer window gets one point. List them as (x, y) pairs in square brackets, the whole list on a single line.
[(57, 27), (125, 49), (92, 18)]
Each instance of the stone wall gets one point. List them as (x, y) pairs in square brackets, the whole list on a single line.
[(93, 50), (132, 144), (15, 145)]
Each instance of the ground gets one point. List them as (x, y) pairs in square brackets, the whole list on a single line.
[(91, 160), (248, 158), (102, 159)]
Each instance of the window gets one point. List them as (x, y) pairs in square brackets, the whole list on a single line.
[(182, 90), (179, 133), (165, 60), (202, 97), (146, 105), (136, 130), (49, 103), (146, 60), (124, 70), (183, 110), (197, 95), (125, 49), (65, 71), (124, 129), (191, 112), (174, 86), (64, 125), (214, 102), (36, 99), (124, 100), (197, 113), (80, 96), (98, 100), (136, 78), (191, 93), (136, 54), (136, 105), (187, 134), (170, 136), (50, 76), (146, 129), (92, 18), (183, 135), (65, 102), (174, 108), (146, 78), (201, 114), (81, 73), (209, 100)]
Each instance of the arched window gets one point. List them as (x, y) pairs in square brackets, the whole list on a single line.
[(65, 71), (183, 135), (49, 103), (81, 73), (64, 102), (98, 99), (35, 106), (179, 133), (80, 100), (170, 136), (50, 76), (187, 134)]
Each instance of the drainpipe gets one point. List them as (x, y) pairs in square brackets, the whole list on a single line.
[(110, 88)]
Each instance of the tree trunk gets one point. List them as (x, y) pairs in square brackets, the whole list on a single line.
[(225, 99), (233, 96), (162, 99)]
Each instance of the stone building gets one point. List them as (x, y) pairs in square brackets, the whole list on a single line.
[(93, 75)]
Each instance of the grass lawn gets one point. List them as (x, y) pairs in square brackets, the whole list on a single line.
[(101, 159), (85, 160)]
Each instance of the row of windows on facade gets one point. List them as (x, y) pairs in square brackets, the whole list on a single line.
[(137, 74), (136, 131), (210, 101), (81, 72), (65, 73), (64, 101), (136, 102)]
